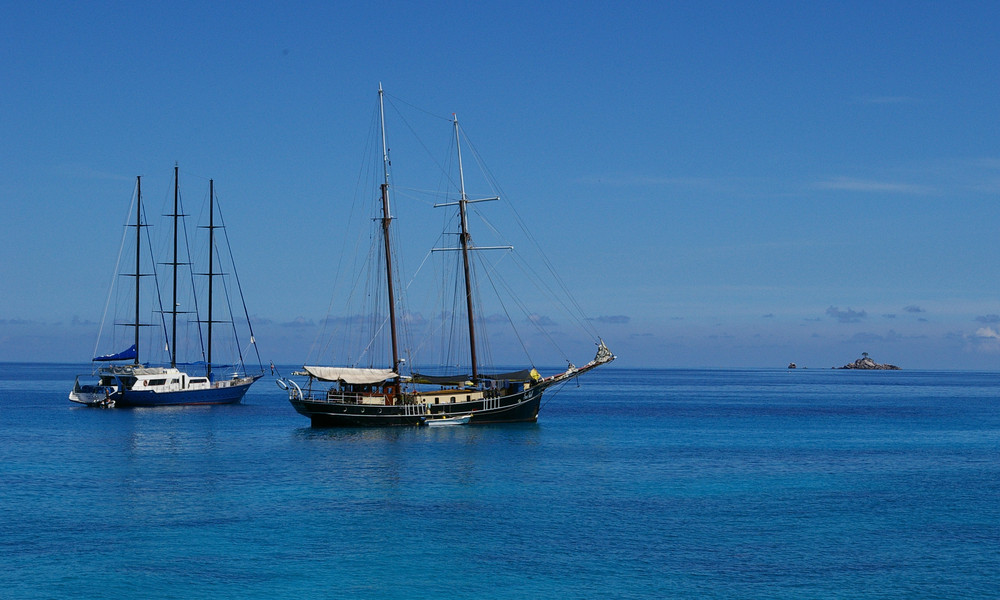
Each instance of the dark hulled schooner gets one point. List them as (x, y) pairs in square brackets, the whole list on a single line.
[(384, 395)]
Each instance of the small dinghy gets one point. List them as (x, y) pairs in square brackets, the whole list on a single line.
[(447, 421)]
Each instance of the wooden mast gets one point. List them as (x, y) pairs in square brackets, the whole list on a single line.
[(465, 257), (386, 219)]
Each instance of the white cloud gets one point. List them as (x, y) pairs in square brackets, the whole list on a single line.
[(987, 333), (851, 184)]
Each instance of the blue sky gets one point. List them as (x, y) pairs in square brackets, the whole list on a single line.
[(722, 184)]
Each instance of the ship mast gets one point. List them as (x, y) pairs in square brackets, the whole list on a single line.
[(138, 246), (386, 219), (173, 309), (466, 247), (465, 257), (211, 275)]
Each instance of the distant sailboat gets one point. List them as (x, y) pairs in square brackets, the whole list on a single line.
[(122, 380), (382, 394)]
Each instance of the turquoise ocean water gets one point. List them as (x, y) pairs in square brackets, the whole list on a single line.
[(636, 484)]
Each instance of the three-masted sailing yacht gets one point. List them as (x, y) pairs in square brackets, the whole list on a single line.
[(122, 380), (384, 395)]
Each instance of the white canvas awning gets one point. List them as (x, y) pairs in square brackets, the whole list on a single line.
[(351, 375)]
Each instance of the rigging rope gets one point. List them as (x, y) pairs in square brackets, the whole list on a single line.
[(317, 348), (187, 253), (156, 283), (578, 313), (115, 274), (239, 288)]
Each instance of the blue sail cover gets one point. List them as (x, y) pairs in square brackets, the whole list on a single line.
[(127, 354)]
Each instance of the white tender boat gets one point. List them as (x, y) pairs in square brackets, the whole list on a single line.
[(447, 421)]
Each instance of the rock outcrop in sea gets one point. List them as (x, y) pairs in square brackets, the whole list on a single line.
[(869, 364)]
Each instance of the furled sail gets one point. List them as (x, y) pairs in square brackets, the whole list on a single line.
[(351, 375), (462, 378), (127, 354), (523, 375), (459, 379)]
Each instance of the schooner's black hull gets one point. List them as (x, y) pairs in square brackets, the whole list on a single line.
[(517, 408)]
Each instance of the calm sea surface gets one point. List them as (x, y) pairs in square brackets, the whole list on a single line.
[(636, 484)]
